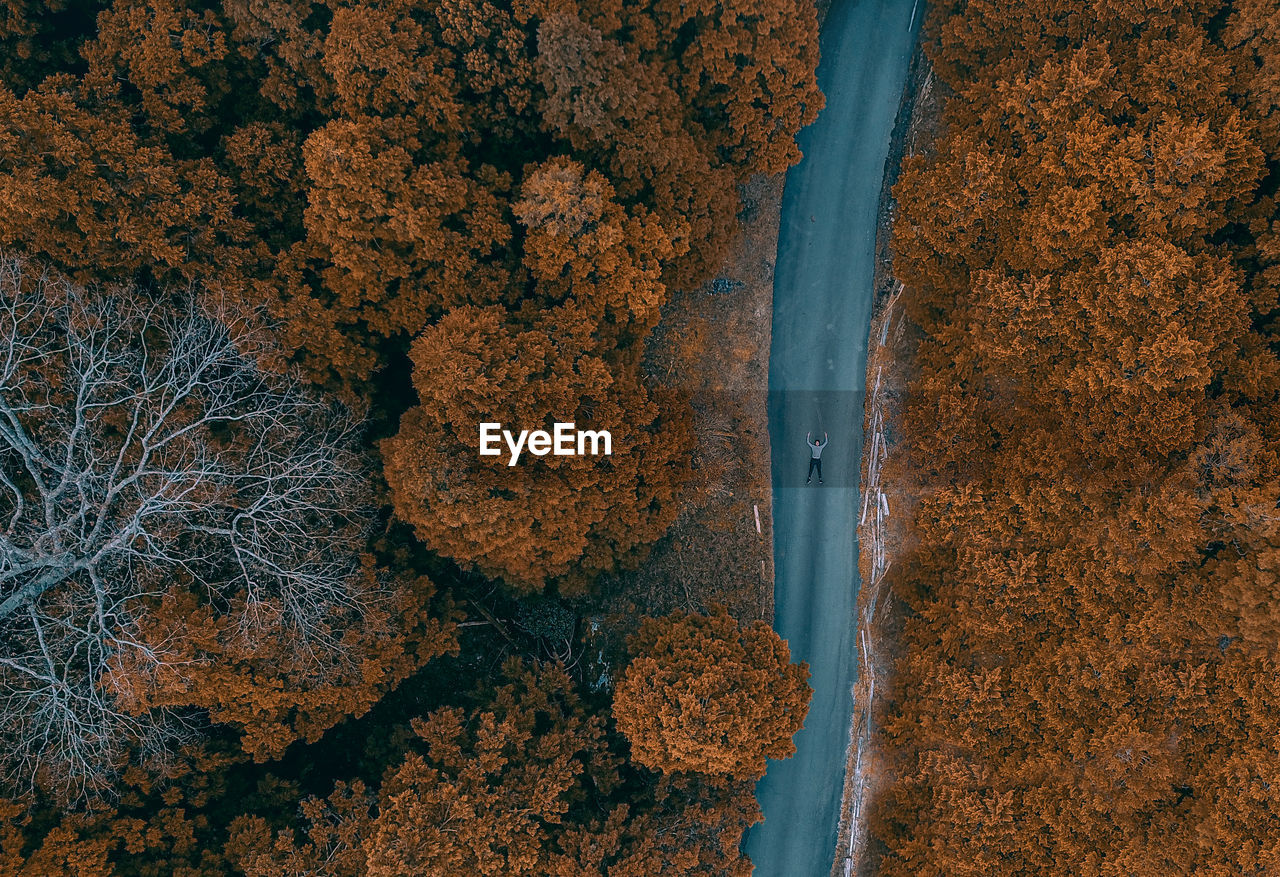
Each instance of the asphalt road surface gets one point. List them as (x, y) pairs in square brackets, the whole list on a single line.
[(821, 315)]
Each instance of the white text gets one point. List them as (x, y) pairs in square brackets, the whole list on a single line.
[(565, 440)]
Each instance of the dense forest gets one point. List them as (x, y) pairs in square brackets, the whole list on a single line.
[(264, 267), (1086, 681)]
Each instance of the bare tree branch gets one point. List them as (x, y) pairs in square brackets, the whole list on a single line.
[(142, 449)]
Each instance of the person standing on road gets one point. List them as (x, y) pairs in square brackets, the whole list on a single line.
[(815, 455)]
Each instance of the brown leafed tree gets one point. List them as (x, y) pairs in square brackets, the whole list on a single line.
[(489, 789), (1117, 357), (621, 111), (279, 38), (169, 55), (704, 694), (1253, 31), (548, 517), (405, 234), (580, 245), (40, 37), (748, 75), (1084, 641), (79, 187)]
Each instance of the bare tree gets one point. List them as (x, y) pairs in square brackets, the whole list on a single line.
[(142, 449)]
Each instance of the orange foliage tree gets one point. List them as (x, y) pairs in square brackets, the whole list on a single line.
[(707, 695), (80, 189), (481, 793), (1085, 647), (549, 517), (38, 37)]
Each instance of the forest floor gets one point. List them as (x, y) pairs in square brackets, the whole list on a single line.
[(713, 344), (888, 495)]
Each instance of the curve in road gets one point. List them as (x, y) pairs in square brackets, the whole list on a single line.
[(817, 366)]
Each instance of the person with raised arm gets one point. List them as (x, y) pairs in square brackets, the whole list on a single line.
[(815, 455)]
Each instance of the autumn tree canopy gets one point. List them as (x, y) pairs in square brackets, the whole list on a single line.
[(1085, 648), (549, 517), (361, 170), (704, 694)]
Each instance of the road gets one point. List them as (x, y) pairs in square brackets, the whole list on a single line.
[(817, 364)]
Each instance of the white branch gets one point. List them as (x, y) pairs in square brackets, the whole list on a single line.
[(139, 446)]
